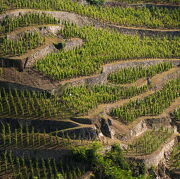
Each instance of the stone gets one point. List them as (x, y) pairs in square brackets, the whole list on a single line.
[(105, 128)]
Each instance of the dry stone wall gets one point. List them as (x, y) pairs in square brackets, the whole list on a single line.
[(40, 53), (158, 156), (102, 78), (83, 20)]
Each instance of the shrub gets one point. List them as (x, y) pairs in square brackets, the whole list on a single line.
[(96, 2)]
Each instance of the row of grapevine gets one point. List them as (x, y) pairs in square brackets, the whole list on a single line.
[(131, 74), (100, 47), (27, 41), (9, 24), (27, 104), (149, 17), (30, 137), (21, 167), (174, 159), (83, 98), (151, 105), (149, 142)]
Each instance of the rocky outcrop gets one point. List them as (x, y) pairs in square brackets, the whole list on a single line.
[(87, 175), (158, 122), (138, 129), (73, 43), (105, 128), (84, 2), (42, 30)]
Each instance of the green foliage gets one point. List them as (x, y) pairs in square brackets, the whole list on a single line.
[(151, 105), (86, 153), (116, 155), (96, 2), (131, 74), (26, 41), (153, 17), (81, 99), (107, 166), (100, 47), (9, 24), (150, 141), (28, 137)]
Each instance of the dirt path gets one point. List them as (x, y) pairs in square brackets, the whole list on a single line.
[(29, 77)]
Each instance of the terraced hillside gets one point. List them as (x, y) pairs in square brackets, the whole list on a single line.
[(89, 89)]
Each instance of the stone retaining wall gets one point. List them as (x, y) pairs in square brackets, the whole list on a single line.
[(40, 53), (138, 5), (83, 20), (109, 68), (158, 156)]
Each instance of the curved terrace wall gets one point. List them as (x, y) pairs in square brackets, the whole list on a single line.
[(158, 156), (83, 20), (109, 68)]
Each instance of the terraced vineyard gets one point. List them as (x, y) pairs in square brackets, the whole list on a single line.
[(89, 89)]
